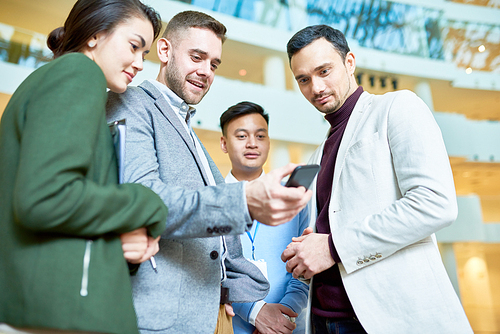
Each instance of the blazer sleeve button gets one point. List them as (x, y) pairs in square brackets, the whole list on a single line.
[(372, 257), (228, 229), (214, 255), (359, 262), (216, 229), (209, 230)]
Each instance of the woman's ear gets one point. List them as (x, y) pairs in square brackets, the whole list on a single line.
[(92, 42), (89, 48), (96, 39)]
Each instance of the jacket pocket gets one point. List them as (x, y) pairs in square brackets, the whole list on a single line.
[(157, 296), (86, 264), (366, 141)]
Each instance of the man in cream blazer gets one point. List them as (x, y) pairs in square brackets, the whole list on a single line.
[(391, 189)]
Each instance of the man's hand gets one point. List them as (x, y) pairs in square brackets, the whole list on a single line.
[(270, 319), (229, 310), (308, 254), (138, 246), (307, 231), (273, 204)]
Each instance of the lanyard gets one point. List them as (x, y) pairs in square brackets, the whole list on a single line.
[(252, 240)]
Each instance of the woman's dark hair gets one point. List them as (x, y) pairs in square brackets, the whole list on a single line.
[(309, 34), (90, 17), (240, 109)]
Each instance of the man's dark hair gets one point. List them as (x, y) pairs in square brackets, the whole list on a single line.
[(193, 19), (309, 34), (240, 109)]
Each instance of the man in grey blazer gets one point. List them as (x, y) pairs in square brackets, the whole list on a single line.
[(163, 153), (384, 188)]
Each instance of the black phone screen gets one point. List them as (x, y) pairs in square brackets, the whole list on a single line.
[(303, 176)]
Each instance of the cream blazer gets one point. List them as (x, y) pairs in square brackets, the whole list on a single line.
[(392, 189)]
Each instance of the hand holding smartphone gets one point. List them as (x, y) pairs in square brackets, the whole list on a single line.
[(303, 176)]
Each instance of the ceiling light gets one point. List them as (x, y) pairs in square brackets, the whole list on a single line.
[(242, 72), (481, 48), (468, 70), (382, 82), (394, 84)]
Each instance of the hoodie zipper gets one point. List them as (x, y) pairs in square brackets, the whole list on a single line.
[(86, 263)]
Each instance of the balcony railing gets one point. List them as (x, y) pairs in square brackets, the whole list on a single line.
[(26, 48)]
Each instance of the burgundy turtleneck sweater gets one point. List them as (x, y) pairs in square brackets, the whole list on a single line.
[(329, 296)]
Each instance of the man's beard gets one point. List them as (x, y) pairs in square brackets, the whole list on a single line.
[(176, 83), (337, 102)]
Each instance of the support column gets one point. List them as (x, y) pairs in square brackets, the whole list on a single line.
[(423, 90), (450, 264), (279, 155), (274, 72)]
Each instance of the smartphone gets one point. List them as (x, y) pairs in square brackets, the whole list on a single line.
[(303, 176)]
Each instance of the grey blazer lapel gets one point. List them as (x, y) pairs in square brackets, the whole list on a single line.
[(164, 107), (213, 167)]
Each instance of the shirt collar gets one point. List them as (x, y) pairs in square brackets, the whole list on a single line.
[(231, 179), (178, 105)]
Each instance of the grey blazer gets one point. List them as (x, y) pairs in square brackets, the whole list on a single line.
[(183, 297)]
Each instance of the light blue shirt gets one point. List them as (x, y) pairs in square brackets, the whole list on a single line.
[(269, 243)]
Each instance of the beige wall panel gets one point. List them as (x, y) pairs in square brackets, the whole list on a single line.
[(478, 278)]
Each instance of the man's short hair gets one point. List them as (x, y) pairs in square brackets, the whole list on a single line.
[(309, 34), (240, 109), (193, 19)]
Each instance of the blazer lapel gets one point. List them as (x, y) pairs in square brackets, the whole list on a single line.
[(164, 107), (213, 167), (313, 212), (351, 129)]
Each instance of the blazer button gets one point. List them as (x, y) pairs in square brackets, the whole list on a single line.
[(214, 255), (209, 230), (372, 257), (359, 262), (228, 229), (216, 229), (378, 255), (366, 259)]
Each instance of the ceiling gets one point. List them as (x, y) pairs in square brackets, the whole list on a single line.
[(44, 16), (474, 104)]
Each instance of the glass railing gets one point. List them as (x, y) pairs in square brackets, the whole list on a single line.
[(22, 47), (378, 24)]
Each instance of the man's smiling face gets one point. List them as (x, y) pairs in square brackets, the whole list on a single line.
[(192, 63)]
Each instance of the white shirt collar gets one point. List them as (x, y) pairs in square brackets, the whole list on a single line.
[(180, 107), (231, 179)]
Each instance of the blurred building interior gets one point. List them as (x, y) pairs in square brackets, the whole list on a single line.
[(446, 51)]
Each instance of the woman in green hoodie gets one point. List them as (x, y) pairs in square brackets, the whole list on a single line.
[(62, 212)]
